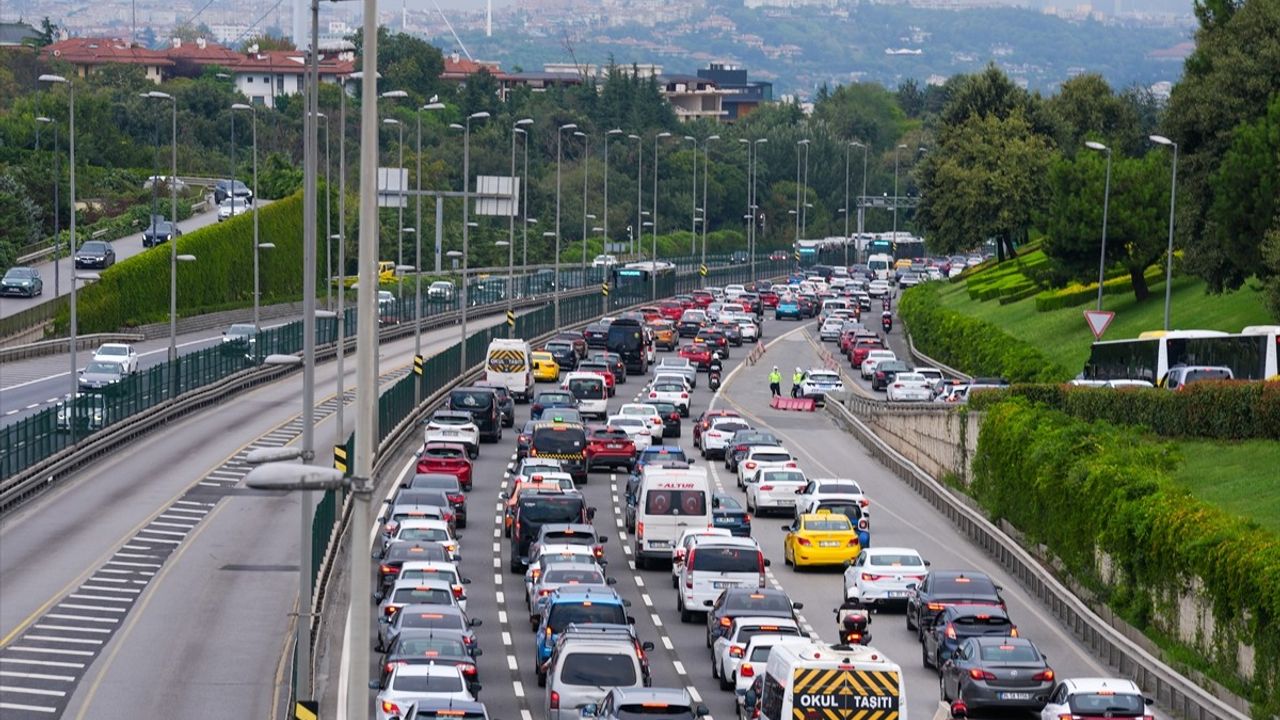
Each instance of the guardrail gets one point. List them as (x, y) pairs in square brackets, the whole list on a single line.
[(62, 345), (1170, 688)]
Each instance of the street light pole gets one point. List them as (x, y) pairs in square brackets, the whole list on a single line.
[(706, 214), (1173, 192), (586, 171), (639, 233), (693, 217), (257, 293), (516, 130), (71, 240), (847, 209), (328, 209), (804, 207), (616, 131), (1106, 198), (466, 226), (417, 247), (556, 258), (653, 268), (863, 197), (895, 191)]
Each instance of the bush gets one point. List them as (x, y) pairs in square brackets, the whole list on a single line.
[(1220, 410), (136, 291), (1077, 294), (973, 346), (1087, 487)]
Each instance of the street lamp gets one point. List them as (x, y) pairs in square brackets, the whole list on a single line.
[(417, 245), (556, 257), (57, 180), (862, 198), (256, 292), (804, 208), (516, 129), (653, 266), (1106, 198), (397, 95), (71, 240), (639, 192), (586, 171), (612, 133), (706, 219), (466, 227), (753, 153), (1173, 188), (693, 215), (895, 190)]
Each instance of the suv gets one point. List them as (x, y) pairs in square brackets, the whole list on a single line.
[(485, 409), (712, 567), (220, 191), (506, 403), (569, 605), (744, 602), (1180, 376), (620, 703), (942, 588), (538, 508), (587, 659)]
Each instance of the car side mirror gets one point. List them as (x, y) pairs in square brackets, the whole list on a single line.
[(690, 462), (797, 606), (477, 652), (626, 602), (767, 562), (466, 581), (911, 586), (591, 513), (631, 619), (1148, 701), (701, 711), (708, 603), (646, 646), (603, 539), (374, 685), (611, 581), (588, 710), (503, 496), (476, 622), (927, 563)]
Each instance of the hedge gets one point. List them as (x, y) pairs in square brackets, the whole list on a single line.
[(1220, 410), (971, 345), (1085, 489), (1022, 293), (1077, 294), (135, 291)]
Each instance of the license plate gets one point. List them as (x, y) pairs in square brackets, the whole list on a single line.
[(1015, 696), (897, 593), (450, 433), (786, 501), (723, 585), (615, 446), (659, 543), (829, 543), (723, 521)]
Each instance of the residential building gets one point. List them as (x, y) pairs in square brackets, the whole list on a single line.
[(87, 55), (190, 58), (457, 68), (741, 95), (16, 34), (264, 76), (693, 97)]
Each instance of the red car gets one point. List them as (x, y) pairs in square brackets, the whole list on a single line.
[(686, 301), (704, 421), (702, 298), (859, 351), (602, 369), (699, 354), (447, 458), (671, 310), (610, 447), (769, 298), (650, 313)]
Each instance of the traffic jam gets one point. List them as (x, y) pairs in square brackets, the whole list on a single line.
[(595, 530)]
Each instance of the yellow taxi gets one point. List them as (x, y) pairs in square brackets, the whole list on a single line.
[(822, 538), (664, 334), (545, 367)]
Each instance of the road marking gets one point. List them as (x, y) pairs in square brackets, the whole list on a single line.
[(50, 651), (40, 663), (518, 687), (81, 618), (69, 641), (36, 676), (511, 662), (32, 691), (666, 642), (657, 621), (28, 708), (68, 628)]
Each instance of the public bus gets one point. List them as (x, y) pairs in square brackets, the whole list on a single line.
[(1251, 354), (641, 272)]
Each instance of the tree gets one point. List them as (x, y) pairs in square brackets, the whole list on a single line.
[(1136, 222), (406, 63), (991, 92), (46, 35), (20, 218), (984, 181), (862, 111), (910, 98), (1086, 107), (1246, 197), (1271, 259), (266, 42)]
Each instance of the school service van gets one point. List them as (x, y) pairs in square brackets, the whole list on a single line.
[(508, 363), (833, 682), (673, 498)]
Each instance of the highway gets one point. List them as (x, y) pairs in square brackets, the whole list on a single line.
[(125, 247), (900, 517), (153, 570)]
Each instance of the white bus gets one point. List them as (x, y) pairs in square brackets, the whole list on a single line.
[(1251, 354)]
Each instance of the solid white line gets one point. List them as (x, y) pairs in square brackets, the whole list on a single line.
[(82, 618), (41, 663), (28, 708), (101, 598), (74, 641), (50, 651), (95, 588), (68, 628), (93, 607), (36, 676), (32, 691)]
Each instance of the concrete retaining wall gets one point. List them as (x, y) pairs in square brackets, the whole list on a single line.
[(941, 441)]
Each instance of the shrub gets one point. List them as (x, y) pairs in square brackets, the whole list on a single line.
[(1221, 410), (1082, 487), (971, 345), (136, 291), (1077, 294)]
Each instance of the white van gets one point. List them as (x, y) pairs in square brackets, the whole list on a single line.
[(589, 388), (857, 680), (508, 362), (712, 567), (881, 266), (672, 499)]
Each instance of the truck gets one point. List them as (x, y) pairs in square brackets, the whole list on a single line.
[(838, 682), (508, 362)]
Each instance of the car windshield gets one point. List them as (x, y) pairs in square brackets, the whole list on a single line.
[(629, 422), (450, 419), (424, 534), (827, 523), (1010, 653), (431, 646), (662, 455), (448, 621), (108, 368), (746, 633), (758, 601), (728, 502), (587, 388), (653, 711), (895, 560), (963, 585), (94, 246), (241, 330), (559, 440), (839, 489), (113, 350), (824, 378), (1113, 705), (771, 456), (471, 399), (423, 596), (760, 653), (429, 574), (19, 274), (551, 509), (599, 669), (731, 426), (576, 575), (668, 388), (443, 453), (784, 476), (428, 683), (676, 502), (726, 559), (585, 612), (551, 398)]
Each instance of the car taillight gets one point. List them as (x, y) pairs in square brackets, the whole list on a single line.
[(864, 502), (736, 651), (393, 665), (456, 499), (936, 607), (599, 551), (679, 556), (653, 395), (791, 464), (1045, 675), (898, 385), (951, 631), (684, 396), (726, 622), (639, 531), (803, 541), (870, 577), (467, 669), (543, 593), (390, 708), (391, 610), (745, 670), (1013, 632), (388, 569), (751, 466), (554, 703), (536, 573), (766, 488)]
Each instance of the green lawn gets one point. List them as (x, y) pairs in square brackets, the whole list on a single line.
[(1235, 477), (1063, 335)]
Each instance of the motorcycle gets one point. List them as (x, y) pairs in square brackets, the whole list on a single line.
[(886, 321), (852, 620), (713, 380)]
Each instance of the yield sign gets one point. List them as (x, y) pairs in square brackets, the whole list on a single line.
[(1098, 321)]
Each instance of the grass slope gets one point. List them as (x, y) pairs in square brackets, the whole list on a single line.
[(1233, 477), (1063, 334)]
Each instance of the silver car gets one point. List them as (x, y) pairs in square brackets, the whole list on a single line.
[(634, 702), (409, 684)]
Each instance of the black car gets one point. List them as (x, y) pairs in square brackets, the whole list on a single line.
[(715, 338), (596, 335), (95, 254), (564, 353), (506, 402), (616, 366), (672, 425), (752, 302), (886, 372), (221, 191), (482, 403), (957, 623), (420, 646), (746, 601), (541, 507), (99, 375), (22, 281), (744, 440), (524, 439), (808, 305), (689, 328), (728, 513), (732, 333), (158, 231), (941, 588), (452, 490), (573, 338), (551, 400)]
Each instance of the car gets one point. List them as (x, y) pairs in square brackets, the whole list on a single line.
[(704, 421), (743, 602), (818, 382), (632, 703), (566, 356), (230, 208), (879, 288), (677, 366), (956, 623), (672, 425), (453, 488), (742, 442), (553, 400), (99, 375), (885, 371), (820, 539), (548, 555), (755, 658), (222, 189), (610, 447), (531, 483), (484, 406), (942, 588), (873, 358), (830, 330), (545, 367), (397, 554), (690, 322), (671, 310), (239, 339), (934, 377), (698, 354), (586, 660), (686, 541), (672, 392), (411, 683), (861, 346), (760, 456), (615, 364), (728, 649), (448, 458), (646, 412), (604, 261), (880, 576), (996, 672), (1119, 698), (418, 591), (424, 531), (601, 368), (541, 507), (774, 489), (95, 254), (427, 647), (123, 354), (727, 512), (715, 338), (437, 570), (720, 430), (22, 281), (165, 182), (453, 426), (788, 307), (160, 230), (817, 490), (556, 575), (747, 327), (664, 334), (1180, 376), (506, 401), (909, 387), (441, 291), (438, 617), (87, 411), (573, 605), (596, 335)]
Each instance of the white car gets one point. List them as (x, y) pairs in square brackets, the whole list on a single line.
[(875, 357), (645, 412), (426, 531), (934, 376), (440, 291), (716, 437), (688, 539), (763, 456), (671, 391), (878, 288), (746, 326), (417, 591), (729, 649), (733, 291), (120, 353), (881, 575), (830, 330), (549, 554), (909, 387), (226, 210), (755, 659), (604, 261), (410, 684), (637, 428), (775, 489), (819, 489), (1096, 697), (455, 427), (818, 382), (434, 569), (677, 366), (531, 466)]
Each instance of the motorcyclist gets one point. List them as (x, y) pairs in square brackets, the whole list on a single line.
[(852, 620), (886, 320)]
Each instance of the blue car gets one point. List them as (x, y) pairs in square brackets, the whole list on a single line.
[(587, 605), (728, 513), (787, 308)]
